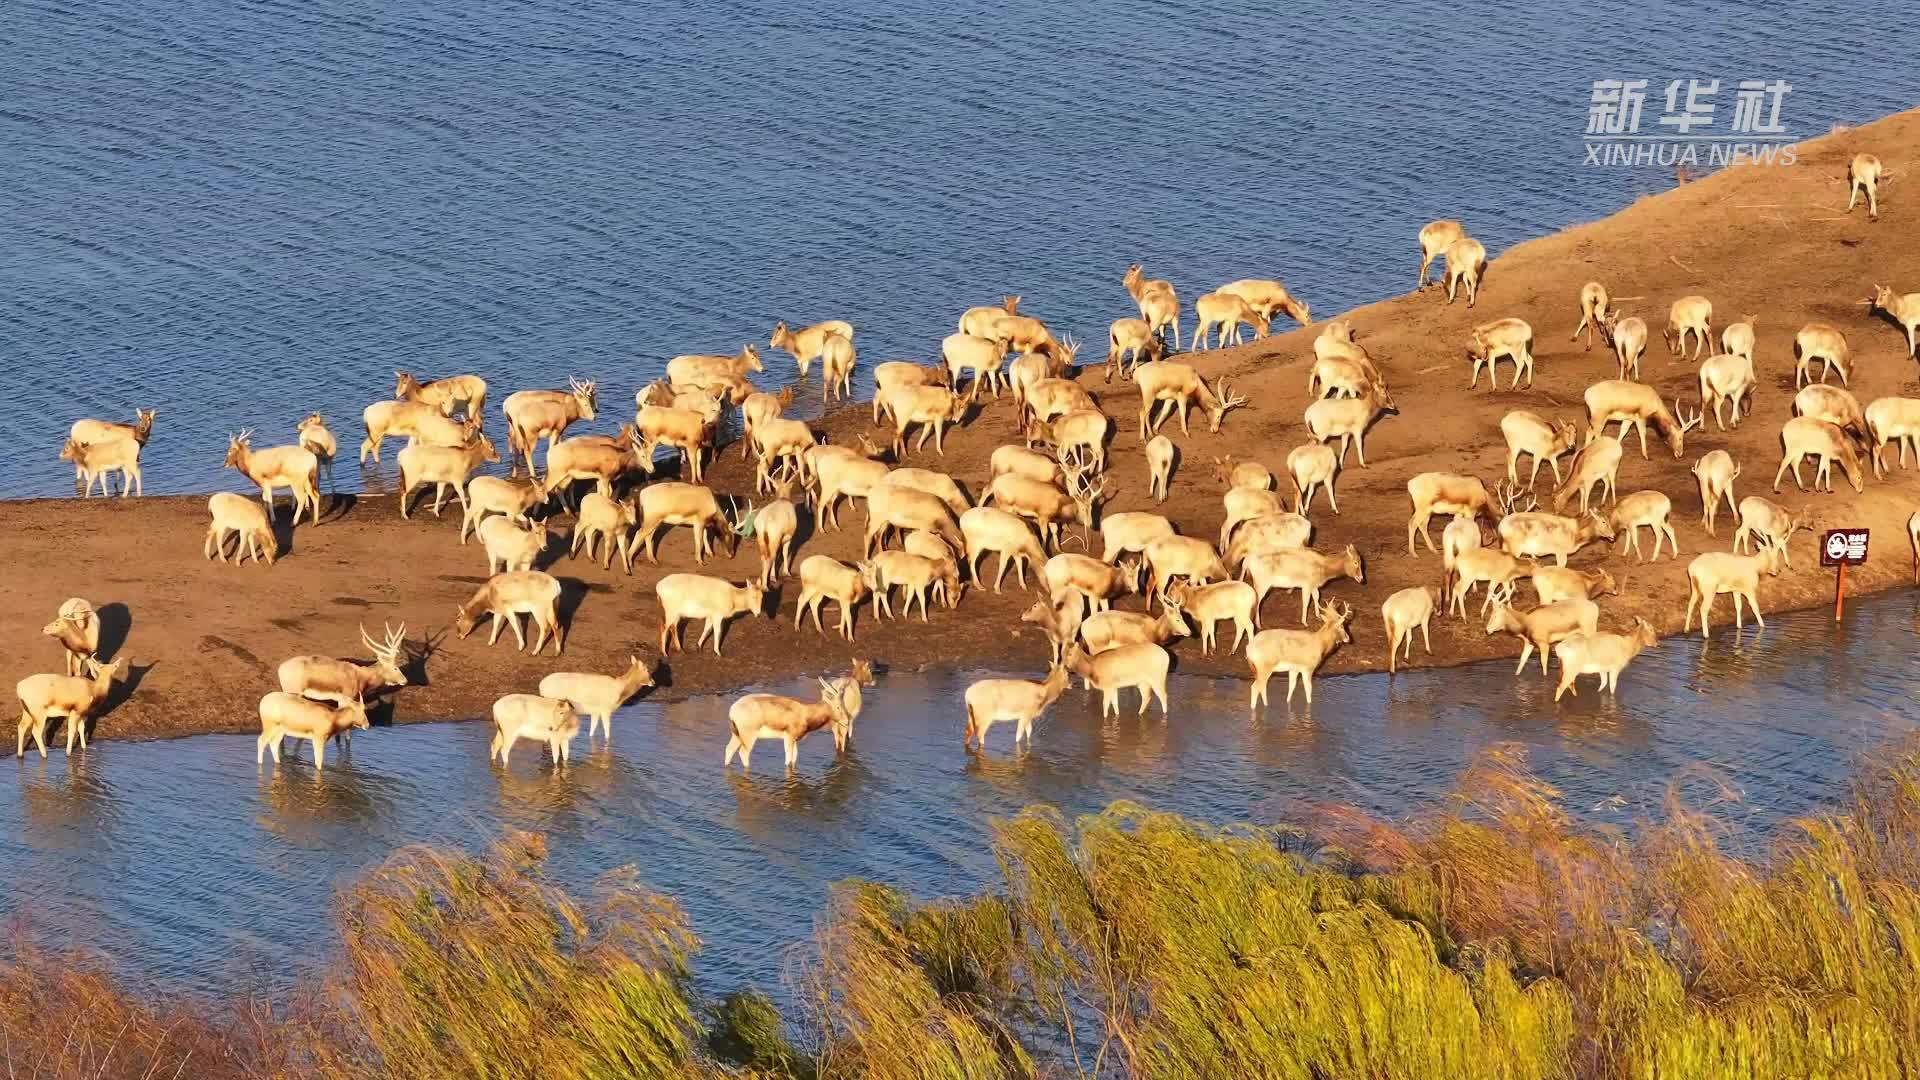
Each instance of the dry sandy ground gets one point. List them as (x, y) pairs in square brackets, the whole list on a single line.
[(203, 638)]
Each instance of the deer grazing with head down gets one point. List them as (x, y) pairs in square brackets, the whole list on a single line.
[(1597, 463), (1228, 312), (1047, 506), (1509, 338), (1738, 338), (249, 524), (1179, 387), (536, 414), (1113, 628), (1808, 437), (1689, 317), (1435, 238), (1130, 533), (671, 503), (1536, 535), (1466, 262), (1449, 493), (1299, 653), (1766, 524), (771, 716), (505, 597), (1634, 405), (985, 529), (1593, 312), (1863, 179), (1268, 298)]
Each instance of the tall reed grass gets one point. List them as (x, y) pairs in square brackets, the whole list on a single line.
[(1494, 935)]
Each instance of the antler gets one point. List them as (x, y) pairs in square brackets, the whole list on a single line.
[(1228, 399)]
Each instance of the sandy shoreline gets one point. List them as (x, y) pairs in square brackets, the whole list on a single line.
[(203, 639)]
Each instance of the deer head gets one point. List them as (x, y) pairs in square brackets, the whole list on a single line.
[(1225, 400), (585, 396), (386, 653)]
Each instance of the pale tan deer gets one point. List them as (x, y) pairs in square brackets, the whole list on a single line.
[(1299, 653), (931, 407), (771, 716), (1228, 312), (1529, 433), (1472, 566), (536, 414), (497, 495), (1822, 342), (1401, 614), (1727, 377), (1113, 628), (1304, 569), (1047, 506), (283, 715), (329, 678), (1597, 463), (694, 369), (1130, 343), (1634, 405), (413, 420), (809, 343), (1268, 298), (247, 521), (292, 467), (824, 578), (1627, 337), (1348, 419), (1159, 304), (1097, 581), (96, 460), (74, 697), (1027, 462), (1602, 654), (1059, 617), (1593, 312), (1445, 493), (1837, 407), (1509, 338), (1267, 534), (76, 626), (916, 576), (1312, 467), (979, 319), (1079, 439), (1555, 583), (1649, 509), (680, 429), (781, 447), (1020, 701), (504, 598), (1246, 504), (87, 432), (948, 587), (1738, 338), (892, 506), (977, 358), (1544, 626), (1895, 420), (1766, 524), (1903, 310), (671, 504), (1179, 387), (1340, 376), (1466, 261), (697, 596), (1050, 399), (1130, 533), (1142, 668), (1435, 238), (1690, 317), (601, 518), (837, 361), (548, 720), (843, 475), (1539, 535), (442, 466), (1214, 602), (902, 373), (986, 529), (1242, 474), (1174, 557), (1462, 533), (1716, 572), (468, 391), (1863, 178), (315, 436), (1805, 437), (774, 527)]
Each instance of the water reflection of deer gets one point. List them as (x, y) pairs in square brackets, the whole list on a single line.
[(765, 805), (295, 796), (66, 803), (594, 787)]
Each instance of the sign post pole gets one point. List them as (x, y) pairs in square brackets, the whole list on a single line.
[(1839, 591), (1841, 548)]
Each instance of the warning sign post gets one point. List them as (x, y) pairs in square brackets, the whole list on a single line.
[(1841, 548)]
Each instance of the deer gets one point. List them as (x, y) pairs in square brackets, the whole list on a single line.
[(601, 517), (536, 717), (894, 506), (1159, 304), (1312, 467), (442, 466), (1048, 506), (1529, 433), (283, 714), (605, 460), (1026, 462), (598, 695), (1895, 420), (536, 414), (1837, 407), (469, 391), (1026, 334), (810, 343), (1738, 338), (1299, 653), (1689, 317), (1113, 628), (947, 587), (937, 484), (316, 438), (915, 575), (845, 474), (1348, 419), (497, 495), (1435, 238), (1555, 583), (836, 368), (1627, 337), (1244, 505), (1825, 343), (1267, 534), (247, 522), (96, 460), (1863, 178), (697, 596), (1179, 387), (976, 356), (684, 430), (901, 373), (1806, 437), (784, 444), (1540, 535), (1021, 701), (1059, 618), (1543, 627), (1602, 654), (932, 407), (1131, 340), (1446, 493), (340, 681), (1593, 312), (1130, 533), (824, 578), (1228, 312), (1511, 338), (1242, 474), (1466, 261), (1765, 523), (1304, 569), (88, 432), (1644, 508), (986, 529), (1471, 566), (76, 626), (1267, 298), (292, 467), (771, 716), (1597, 463), (1049, 398), (774, 528), (1404, 612), (1336, 342), (978, 320), (1727, 377), (1189, 557), (1714, 572), (1215, 602), (74, 697), (1340, 376), (1078, 439), (1030, 369), (1141, 667), (693, 368), (1461, 533), (510, 545), (1087, 576), (671, 503), (504, 598), (416, 421), (1637, 405)]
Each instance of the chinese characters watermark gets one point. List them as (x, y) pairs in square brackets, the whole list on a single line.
[(1684, 134)]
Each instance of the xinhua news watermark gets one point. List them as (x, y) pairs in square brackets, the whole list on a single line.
[(1685, 134)]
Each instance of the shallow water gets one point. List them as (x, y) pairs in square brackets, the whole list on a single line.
[(241, 212), (189, 865)]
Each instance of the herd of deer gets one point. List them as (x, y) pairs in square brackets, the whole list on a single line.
[(1055, 478)]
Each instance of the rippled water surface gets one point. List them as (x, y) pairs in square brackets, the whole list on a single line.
[(240, 211), (189, 864)]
